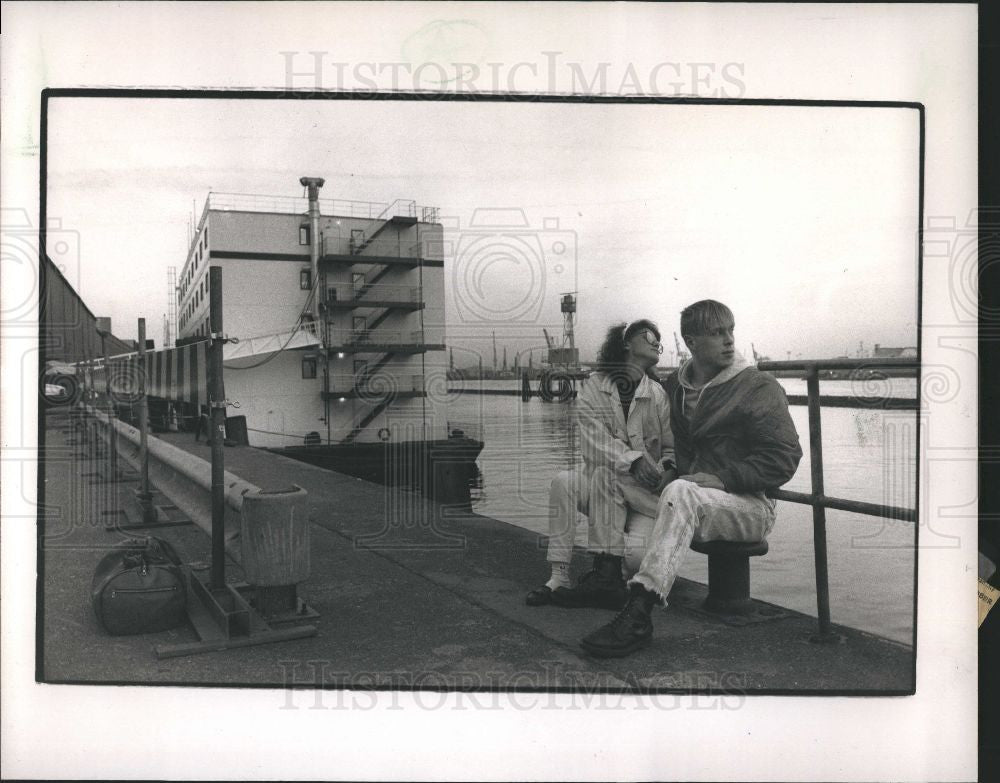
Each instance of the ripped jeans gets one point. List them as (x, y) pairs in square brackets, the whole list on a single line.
[(689, 512)]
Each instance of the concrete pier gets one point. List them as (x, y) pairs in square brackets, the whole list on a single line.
[(414, 594)]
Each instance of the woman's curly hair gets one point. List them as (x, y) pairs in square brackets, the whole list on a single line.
[(612, 355)]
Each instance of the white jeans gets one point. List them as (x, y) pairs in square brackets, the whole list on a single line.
[(689, 512), (605, 497)]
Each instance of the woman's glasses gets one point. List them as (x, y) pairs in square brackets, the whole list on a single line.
[(650, 338)]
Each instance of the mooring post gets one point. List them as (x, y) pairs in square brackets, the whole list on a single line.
[(112, 463), (144, 496), (217, 413)]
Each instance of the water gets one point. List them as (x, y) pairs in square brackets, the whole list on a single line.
[(868, 455)]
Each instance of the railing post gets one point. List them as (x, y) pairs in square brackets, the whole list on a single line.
[(217, 411), (112, 415), (144, 496), (819, 512)]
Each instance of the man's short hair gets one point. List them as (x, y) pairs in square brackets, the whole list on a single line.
[(704, 316)]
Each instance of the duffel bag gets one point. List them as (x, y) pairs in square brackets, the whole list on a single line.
[(139, 588)]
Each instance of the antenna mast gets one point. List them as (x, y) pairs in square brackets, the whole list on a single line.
[(170, 319)]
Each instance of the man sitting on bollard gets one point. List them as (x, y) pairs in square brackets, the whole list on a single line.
[(627, 448), (733, 439)]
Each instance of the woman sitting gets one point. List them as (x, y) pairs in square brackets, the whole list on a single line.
[(624, 420)]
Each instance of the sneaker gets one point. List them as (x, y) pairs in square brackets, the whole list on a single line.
[(603, 587), (631, 630)]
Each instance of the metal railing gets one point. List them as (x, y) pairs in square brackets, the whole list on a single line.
[(293, 205), (347, 292), (382, 248), (401, 207), (348, 337), (862, 370), (382, 384)]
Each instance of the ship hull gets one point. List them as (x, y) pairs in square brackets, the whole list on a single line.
[(440, 469)]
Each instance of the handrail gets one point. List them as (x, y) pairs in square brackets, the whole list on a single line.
[(843, 363), (329, 207), (348, 292), (818, 498), (375, 337), (380, 248), (401, 207)]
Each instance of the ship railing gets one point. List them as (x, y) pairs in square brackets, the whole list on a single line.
[(401, 207), (329, 207), (383, 248), (374, 336), (380, 384), (408, 208), (348, 292), (862, 372), (293, 205)]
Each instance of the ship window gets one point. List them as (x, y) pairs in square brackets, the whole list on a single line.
[(308, 367), (304, 235), (305, 279)]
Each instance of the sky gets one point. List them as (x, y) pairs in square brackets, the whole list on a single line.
[(802, 219)]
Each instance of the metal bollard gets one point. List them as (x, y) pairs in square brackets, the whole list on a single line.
[(729, 574)]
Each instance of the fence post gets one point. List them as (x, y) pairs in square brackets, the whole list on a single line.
[(818, 511), (217, 413), (144, 496), (112, 415)]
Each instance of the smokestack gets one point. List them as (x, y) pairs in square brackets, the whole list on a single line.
[(314, 184)]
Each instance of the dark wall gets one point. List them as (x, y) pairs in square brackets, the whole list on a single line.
[(67, 328)]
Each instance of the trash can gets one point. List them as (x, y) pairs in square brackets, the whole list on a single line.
[(274, 537)]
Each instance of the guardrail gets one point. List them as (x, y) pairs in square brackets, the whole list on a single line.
[(219, 502), (818, 499), (181, 476)]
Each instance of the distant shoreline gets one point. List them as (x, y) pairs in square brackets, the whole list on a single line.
[(829, 375)]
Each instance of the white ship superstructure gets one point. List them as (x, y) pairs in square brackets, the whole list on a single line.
[(338, 308)]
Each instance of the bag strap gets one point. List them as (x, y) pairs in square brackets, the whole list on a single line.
[(163, 550)]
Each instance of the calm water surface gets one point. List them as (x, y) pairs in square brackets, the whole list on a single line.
[(868, 455)]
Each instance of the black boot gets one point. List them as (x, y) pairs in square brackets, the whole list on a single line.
[(631, 630), (603, 587)]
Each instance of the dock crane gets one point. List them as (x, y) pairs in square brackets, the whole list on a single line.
[(681, 353), (549, 342)]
